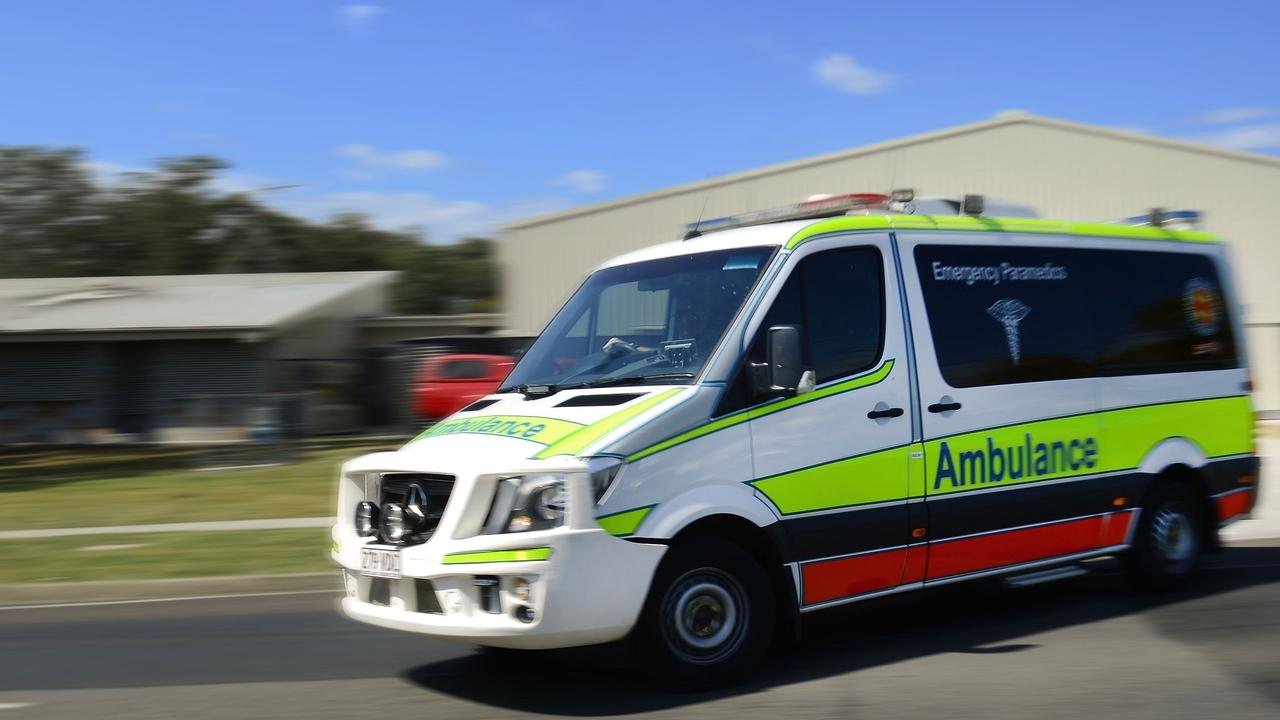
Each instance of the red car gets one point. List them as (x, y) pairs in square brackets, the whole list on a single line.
[(448, 383)]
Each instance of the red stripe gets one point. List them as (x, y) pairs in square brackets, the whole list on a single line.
[(1115, 529), (916, 557), (1237, 503), (845, 577), (842, 577), (957, 557)]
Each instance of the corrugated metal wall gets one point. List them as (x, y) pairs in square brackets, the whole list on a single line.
[(67, 391), (1064, 170), (49, 389)]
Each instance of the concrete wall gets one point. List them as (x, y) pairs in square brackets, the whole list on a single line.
[(1063, 169)]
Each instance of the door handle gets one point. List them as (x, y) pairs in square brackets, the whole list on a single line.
[(942, 407), (888, 413)]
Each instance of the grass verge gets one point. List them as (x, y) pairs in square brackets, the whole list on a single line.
[(91, 488), (164, 555)]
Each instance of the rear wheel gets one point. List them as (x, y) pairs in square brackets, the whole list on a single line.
[(709, 617), (1169, 542)]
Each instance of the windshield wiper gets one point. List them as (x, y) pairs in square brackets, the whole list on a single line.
[(630, 380), (538, 390)]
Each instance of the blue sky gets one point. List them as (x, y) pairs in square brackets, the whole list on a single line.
[(454, 116)]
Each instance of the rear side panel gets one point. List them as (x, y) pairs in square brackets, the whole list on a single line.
[(1073, 389)]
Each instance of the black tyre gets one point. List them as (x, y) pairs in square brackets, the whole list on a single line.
[(1169, 541), (709, 616)]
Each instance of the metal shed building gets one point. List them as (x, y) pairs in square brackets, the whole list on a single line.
[(1064, 169), (181, 357)]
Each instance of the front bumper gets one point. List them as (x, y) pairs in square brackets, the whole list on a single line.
[(589, 590)]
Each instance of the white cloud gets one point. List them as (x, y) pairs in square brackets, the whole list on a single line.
[(843, 73), (359, 17), (110, 172), (371, 157), (226, 181), (1233, 115), (582, 181), (442, 220), (1265, 136)]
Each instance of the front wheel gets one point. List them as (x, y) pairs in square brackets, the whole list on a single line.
[(709, 617), (1169, 541)]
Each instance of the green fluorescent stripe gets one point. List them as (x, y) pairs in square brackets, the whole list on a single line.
[(528, 554), (974, 224), (1218, 426), (742, 416), (870, 222), (544, 431), (862, 480), (582, 438), (624, 523), (872, 378), (722, 423)]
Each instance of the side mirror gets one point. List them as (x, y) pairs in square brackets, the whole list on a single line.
[(785, 356)]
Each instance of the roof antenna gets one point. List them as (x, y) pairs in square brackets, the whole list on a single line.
[(695, 232)]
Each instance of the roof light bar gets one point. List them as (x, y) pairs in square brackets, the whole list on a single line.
[(1171, 219), (972, 205), (814, 207)]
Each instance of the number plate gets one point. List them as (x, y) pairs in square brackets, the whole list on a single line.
[(377, 562)]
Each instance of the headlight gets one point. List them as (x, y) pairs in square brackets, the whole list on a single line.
[(603, 471), (366, 519), (529, 502)]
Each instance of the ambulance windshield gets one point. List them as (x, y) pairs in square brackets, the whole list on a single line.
[(656, 321)]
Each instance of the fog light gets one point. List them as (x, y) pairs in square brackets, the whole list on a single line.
[(520, 523), (525, 614), (351, 583), (520, 589), (395, 527), (366, 519)]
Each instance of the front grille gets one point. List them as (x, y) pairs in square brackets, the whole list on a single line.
[(395, 488)]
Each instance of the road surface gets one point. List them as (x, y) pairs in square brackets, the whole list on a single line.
[(1081, 648)]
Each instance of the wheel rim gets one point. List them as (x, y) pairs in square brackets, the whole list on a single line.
[(704, 616), (1173, 536)]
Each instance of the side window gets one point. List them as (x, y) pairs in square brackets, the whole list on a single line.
[(1165, 313), (1000, 314), (838, 298)]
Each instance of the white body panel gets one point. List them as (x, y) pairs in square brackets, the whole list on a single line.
[(838, 427)]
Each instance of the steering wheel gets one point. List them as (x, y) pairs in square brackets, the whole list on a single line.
[(617, 347)]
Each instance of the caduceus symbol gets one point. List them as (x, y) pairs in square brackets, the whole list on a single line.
[(1009, 312)]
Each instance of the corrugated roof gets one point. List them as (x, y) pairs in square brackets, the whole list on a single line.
[(1001, 120), (152, 303)]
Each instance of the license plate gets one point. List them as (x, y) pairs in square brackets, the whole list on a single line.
[(377, 562)]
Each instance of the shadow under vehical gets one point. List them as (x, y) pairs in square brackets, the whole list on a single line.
[(981, 617)]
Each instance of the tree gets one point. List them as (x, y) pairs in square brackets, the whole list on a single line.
[(56, 220), (48, 210)]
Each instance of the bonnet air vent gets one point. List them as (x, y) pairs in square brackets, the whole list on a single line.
[(599, 400), (479, 405)]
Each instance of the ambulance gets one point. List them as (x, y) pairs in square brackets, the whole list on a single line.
[(815, 405)]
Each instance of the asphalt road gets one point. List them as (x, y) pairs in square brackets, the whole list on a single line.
[(1078, 648)]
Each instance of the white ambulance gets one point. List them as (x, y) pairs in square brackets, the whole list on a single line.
[(812, 406)]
